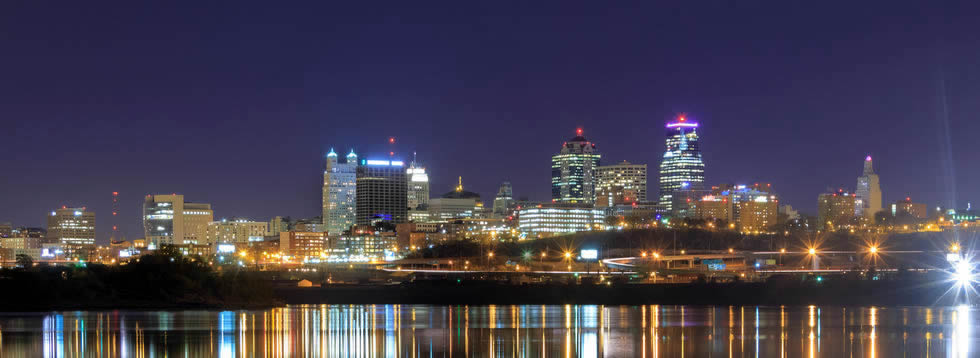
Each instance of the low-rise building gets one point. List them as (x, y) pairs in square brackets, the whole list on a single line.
[(302, 244), (555, 219)]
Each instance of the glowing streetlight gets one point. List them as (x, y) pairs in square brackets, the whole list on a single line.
[(644, 254), (873, 249), (955, 248), (490, 254), (731, 250), (656, 255), (782, 251), (568, 255), (812, 251)]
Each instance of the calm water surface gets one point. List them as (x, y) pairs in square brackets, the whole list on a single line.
[(497, 331)]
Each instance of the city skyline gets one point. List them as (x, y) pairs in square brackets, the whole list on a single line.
[(800, 120)]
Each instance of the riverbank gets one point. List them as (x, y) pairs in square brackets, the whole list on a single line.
[(739, 293)]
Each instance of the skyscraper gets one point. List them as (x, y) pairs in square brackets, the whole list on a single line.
[(681, 167), (867, 203), (339, 193), (381, 192), (73, 226), (573, 171), (168, 220), (418, 186), (504, 200), (622, 183)]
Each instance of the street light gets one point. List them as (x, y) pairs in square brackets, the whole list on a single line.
[(873, 249), (812, 251), (955, 248)]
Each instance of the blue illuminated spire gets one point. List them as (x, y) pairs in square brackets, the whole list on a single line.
[(351, 154), (332, 153)]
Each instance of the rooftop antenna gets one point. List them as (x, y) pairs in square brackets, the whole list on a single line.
[(115, 218)]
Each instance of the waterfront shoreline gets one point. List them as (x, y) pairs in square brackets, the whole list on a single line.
[(871, 293)]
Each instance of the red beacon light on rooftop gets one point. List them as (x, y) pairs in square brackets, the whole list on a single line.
[(578, 131)]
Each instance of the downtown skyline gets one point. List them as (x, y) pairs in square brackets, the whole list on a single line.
[(91, 118)]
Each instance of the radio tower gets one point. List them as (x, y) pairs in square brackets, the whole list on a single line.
[(115, 217)]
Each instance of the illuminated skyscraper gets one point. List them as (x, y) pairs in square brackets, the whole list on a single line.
[(573, 171), (868, 200), (622, 183), (381, 192), (418, 186), (681, 167), (504, 200), (339, 193), (71, 226)]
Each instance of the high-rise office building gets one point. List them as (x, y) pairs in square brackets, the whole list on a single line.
[(381, 192), (168, 220), (573, 171), (504, 201), (681, 167), (339, 193), (867, 202), (622, 183), (71, 226), (418, 186), (836, 210)]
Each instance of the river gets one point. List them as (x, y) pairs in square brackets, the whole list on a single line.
[(497, 331)]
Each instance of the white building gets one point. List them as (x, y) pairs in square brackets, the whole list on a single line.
[(418, 186), (339, 193), (558, 219)]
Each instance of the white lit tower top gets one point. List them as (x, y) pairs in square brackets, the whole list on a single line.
[(418, 185), (681, 167)]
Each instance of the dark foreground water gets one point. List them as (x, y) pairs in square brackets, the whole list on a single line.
[(498, 331)]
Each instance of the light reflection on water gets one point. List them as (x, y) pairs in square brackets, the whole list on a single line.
[(496, 331)]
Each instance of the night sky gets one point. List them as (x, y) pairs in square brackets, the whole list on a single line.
[(237, 104)]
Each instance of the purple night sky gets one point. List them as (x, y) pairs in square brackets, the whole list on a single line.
[(237, 105)]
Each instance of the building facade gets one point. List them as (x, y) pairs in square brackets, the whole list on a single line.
[(916, 210), (303, 244), (235, 231), (622, 183), (681, 167), (751, 208), (503, 203), (867, 201), (836, 210), (339, 193), (559, 219), (381, 192), (418, 186), (71, 226), (169, 220), (573, 171)]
